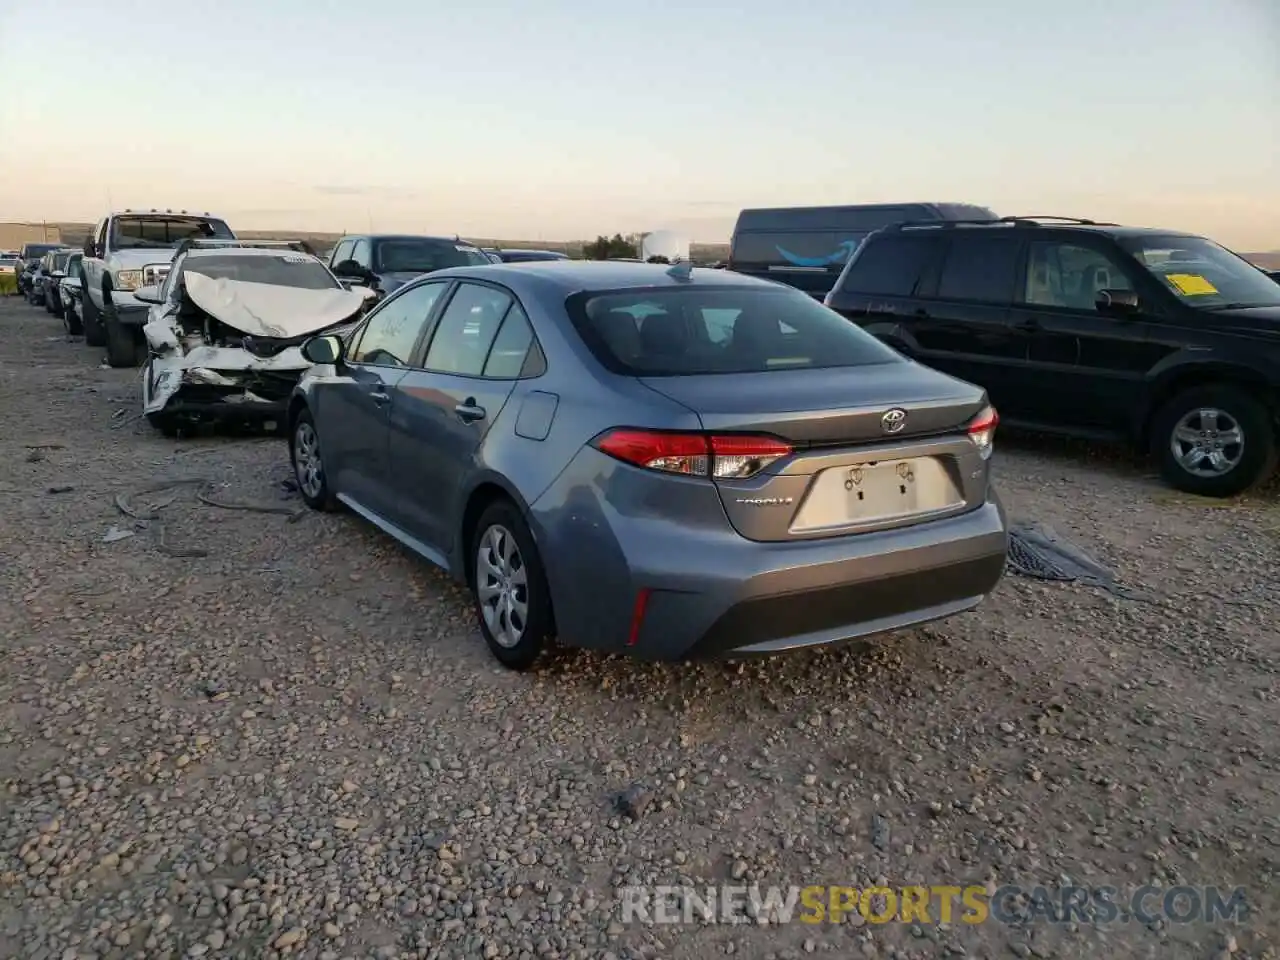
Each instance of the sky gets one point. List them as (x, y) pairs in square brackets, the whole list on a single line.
[(564, 119)]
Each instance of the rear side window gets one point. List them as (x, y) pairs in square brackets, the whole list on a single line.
[(890, 267), (467, 329), (982, 269), (707, 330)]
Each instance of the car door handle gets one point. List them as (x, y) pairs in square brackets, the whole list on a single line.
[(1029, 326), (380, 397), (469, 411)]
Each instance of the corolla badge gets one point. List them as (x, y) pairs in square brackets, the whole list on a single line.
[(893, 420), (842, 253)]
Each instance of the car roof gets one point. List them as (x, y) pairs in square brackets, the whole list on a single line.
[(1114, 230), (190, 214), (574, 276), (405, 236)]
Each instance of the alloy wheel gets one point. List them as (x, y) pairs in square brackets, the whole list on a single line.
[(502, 586), (1207, 442), (306, 460)]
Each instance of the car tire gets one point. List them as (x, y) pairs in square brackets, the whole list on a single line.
[(168, 424), (71, 321), (122, 345), (503, 547), (1183, 440), (308, 464), (91, 320)]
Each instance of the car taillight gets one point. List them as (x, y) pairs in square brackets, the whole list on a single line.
[(714, 456), (982, 431)]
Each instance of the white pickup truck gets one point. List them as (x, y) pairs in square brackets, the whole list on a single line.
[(128, 250)]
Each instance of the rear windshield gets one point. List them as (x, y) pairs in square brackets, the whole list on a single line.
[(663, 332), (60, 260), (129, 233), (284, 270), (415, 255)]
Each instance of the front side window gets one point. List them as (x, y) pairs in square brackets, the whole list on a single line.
[(277, 270), (129, 232), (342, 252), (362, 254), (709, 330), (1067, 275), (422, 255), (467, 329), (392, 330), (1202, 273)]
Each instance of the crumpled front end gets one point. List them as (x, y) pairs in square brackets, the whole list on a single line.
[(216, 381), (202, 368)]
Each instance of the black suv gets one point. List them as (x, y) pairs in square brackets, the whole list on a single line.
[(386, 262), (1164, 339)]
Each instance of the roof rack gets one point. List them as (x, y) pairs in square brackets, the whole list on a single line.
[(205, 243), (1031, 221)]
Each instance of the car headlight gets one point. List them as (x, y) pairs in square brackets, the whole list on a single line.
[(128, 280)]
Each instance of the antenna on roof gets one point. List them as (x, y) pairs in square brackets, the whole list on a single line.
[(681, 270)]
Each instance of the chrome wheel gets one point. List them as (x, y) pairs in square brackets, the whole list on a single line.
[(1207, 442), (502, 586), (306, 460)]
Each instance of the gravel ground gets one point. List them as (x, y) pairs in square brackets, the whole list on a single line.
[(296, 745)]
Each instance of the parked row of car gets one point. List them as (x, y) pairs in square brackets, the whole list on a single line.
[(674, 461), (48, 275)]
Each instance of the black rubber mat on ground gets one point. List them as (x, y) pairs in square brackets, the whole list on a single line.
[(1038, 552)]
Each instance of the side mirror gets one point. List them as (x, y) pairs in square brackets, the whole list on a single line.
[(149, 294), (1117, 301), (350, 270), (322, 350)]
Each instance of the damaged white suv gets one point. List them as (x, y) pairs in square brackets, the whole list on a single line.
[(224, 328)]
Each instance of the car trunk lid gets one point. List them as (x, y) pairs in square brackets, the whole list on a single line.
[(875, 446)]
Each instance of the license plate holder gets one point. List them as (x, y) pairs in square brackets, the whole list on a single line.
[(889, 488)]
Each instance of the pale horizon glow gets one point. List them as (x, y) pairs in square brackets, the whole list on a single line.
[(566, 119)]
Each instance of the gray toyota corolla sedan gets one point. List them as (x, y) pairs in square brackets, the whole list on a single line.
[(672, 462)]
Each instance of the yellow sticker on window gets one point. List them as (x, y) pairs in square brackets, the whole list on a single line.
[(1191, 284)]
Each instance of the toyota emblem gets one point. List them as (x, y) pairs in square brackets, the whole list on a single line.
[(893, 420)]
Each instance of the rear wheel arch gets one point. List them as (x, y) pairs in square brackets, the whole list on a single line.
[(486, 492)]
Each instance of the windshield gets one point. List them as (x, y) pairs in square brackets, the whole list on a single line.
[(417, 255), (702, 330), (131, 233), (34, 251), (1202, 273), (282, 270)]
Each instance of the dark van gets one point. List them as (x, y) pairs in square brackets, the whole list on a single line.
[(807, 247)]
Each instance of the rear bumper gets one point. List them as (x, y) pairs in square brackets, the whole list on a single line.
[(698, 590)]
